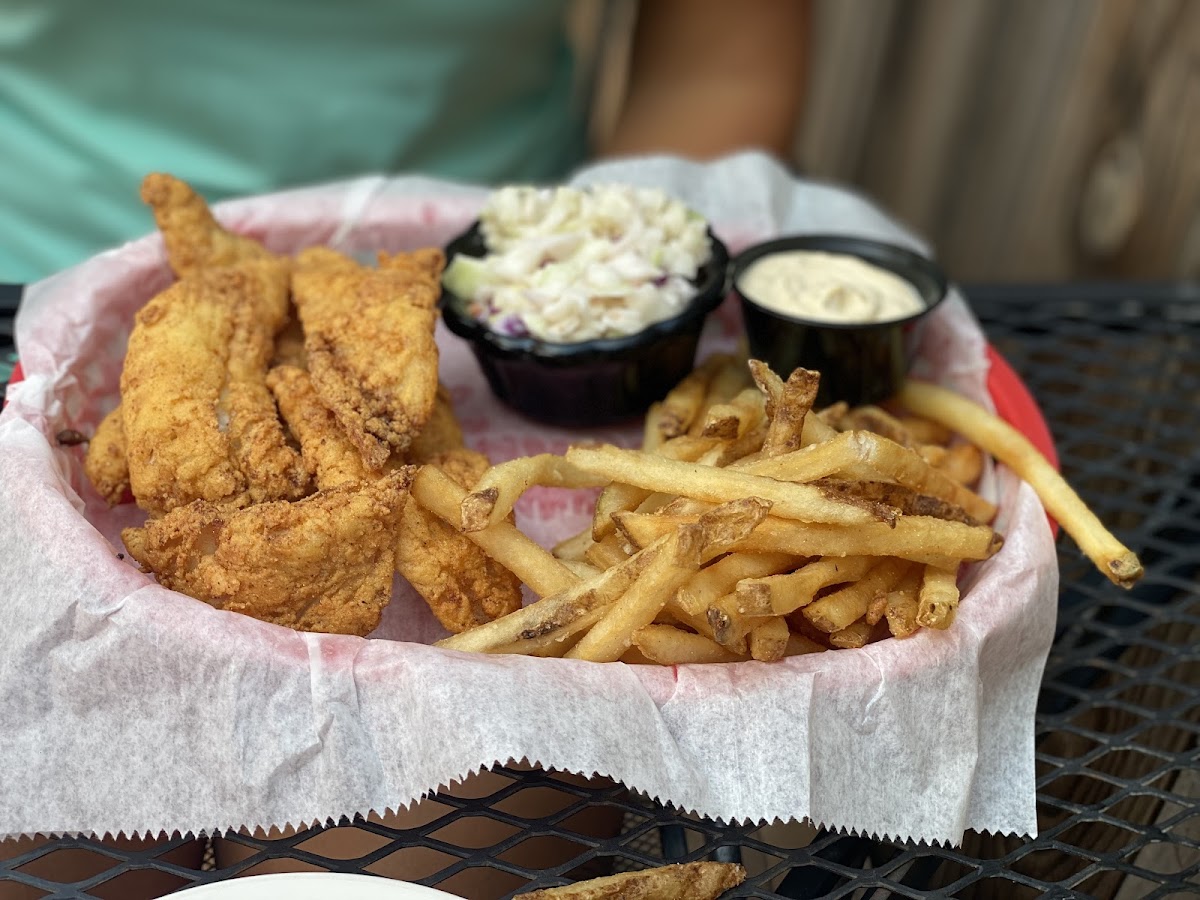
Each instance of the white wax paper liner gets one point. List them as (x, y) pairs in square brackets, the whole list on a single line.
[(127, 708)]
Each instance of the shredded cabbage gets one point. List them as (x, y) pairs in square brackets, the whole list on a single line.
[(568, 264)]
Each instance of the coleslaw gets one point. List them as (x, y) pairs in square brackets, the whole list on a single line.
[(567, 264)]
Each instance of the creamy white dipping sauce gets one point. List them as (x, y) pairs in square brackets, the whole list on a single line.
[(828, 287)]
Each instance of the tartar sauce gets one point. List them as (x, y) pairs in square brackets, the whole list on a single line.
[(828, 287)]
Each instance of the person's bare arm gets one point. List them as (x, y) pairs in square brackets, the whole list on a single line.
[(709, 77)]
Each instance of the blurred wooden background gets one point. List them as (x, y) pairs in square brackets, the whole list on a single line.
[(1026, 139)]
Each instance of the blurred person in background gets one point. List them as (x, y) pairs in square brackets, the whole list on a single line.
[(242, 98)]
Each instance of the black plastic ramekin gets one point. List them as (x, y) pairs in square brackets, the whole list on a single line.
[(859, 362), (587, 383)]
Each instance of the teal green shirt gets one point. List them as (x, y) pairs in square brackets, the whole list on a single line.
[(245, 96)]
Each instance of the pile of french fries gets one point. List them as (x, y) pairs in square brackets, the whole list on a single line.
[(751, 526)]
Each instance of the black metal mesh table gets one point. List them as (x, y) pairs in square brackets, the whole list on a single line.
[(1116, 368)]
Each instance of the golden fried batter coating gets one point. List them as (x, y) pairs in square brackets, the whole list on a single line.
[(105, 464), (324, 563), (330, 456), (370, 348), (199, 422), (193, 238), (462, 585), (424, 265)]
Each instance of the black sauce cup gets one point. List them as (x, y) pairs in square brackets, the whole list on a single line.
[(859, 362), (588, 383)]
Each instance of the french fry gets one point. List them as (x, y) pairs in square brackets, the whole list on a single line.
[(799, 645), (606, 553), (683, 403), (918, 538), (963, 462), (835, 611), (558, 613), (793, 501), (769, 639), (704, 588), (838, 455), (937, 602), (614, 498), (729, 626), (617, 497), (693, 881), (442, 496), (733, 419), (909, 469), (901, 606), (583, 570), (934, 454), (1006, 444), (786, 593), (879, 421), (612, 635), (729, 378), (833, 414), (876, 610), (555, 642), (685, 550), (574, 547), (816, 431), (698, 624), (925, 431), (728, 452), (499, 488), (905, 499), (807, 630), (652, 434), (791, 406), (855, 635), (669, 646)]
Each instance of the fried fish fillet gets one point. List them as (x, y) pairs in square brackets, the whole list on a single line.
[(324, 563), (332, 459), (199, 422), (193, 238), (461, 584), (424, 265), (368, 338), (105, 464)]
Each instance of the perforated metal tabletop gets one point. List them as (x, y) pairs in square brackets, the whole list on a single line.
[(1116, 369)]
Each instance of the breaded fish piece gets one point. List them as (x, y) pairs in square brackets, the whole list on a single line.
[(198, 420), (461, 584), (324, 563), (193, 238), (273, 469), (332, 459), (105, 464), (424, 266), (368, 338)]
